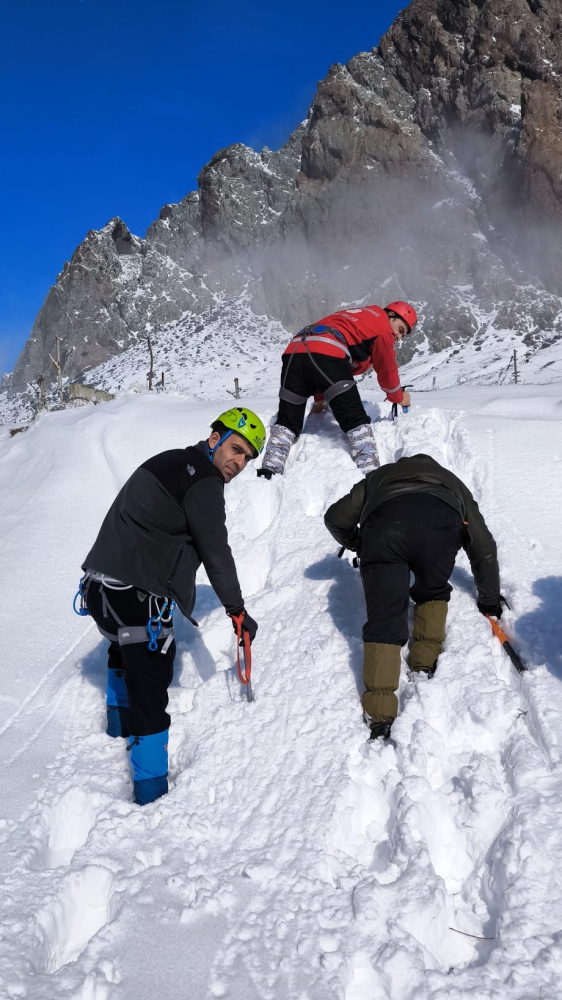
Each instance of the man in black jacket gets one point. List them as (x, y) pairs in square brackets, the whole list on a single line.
[(168, 518), (410, 516)]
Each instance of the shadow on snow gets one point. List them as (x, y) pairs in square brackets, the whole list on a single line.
[(346, 605), (541, 629)]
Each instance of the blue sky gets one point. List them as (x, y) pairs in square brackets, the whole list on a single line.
[(111, 107)]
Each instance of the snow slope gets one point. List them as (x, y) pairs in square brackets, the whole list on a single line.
[(292, 860)]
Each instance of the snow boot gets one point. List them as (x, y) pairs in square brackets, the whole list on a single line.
[(380, 731), (381, 676), (276, 452), (149, 760), (429, 635), (364, 448), (117, 704)]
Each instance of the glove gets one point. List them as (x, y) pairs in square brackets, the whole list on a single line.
[(491, 609), (248, 624), (352, 543)]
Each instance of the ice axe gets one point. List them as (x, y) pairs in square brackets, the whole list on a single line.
[(355, 562), (394, 411), (243, 642), (500, 634)]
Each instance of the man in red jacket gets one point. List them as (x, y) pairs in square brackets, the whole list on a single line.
[(322, 359)]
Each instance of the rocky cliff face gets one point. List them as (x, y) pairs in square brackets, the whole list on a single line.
[(487, 85), (428, 166)]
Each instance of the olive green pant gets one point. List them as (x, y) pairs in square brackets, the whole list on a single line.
[(429, 634), (381, 661)]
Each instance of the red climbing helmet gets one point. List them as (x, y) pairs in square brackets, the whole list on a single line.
[(406, 312)]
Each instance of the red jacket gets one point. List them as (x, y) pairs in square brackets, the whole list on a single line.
[(366, 338)]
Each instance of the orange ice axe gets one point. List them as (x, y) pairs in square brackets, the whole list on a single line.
[(500, 634)]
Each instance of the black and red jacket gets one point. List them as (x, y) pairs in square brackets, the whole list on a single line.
[(365, 336)]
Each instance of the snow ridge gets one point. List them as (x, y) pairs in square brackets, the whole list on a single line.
[(200, 355)]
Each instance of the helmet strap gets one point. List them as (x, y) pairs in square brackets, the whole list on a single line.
[(211, 451)]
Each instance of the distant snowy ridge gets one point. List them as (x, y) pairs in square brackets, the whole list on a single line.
[(201, 355)]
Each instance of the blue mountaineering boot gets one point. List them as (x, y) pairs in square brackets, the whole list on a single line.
[(149, 760), (117, 703)]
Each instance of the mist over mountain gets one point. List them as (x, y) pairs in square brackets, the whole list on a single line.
[(428, 168)]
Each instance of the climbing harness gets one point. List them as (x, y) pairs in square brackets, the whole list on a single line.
[(313, 334), (160, 618), (243, 641), (81, 593), (500, 634)]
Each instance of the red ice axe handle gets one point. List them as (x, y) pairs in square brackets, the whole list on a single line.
[(500, 634), (242, 641)]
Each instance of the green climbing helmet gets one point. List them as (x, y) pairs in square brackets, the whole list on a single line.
[(246, 423)]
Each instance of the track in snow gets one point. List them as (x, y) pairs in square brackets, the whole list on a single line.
[(292, 860)]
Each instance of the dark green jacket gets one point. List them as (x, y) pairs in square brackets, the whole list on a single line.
[(421, 474)]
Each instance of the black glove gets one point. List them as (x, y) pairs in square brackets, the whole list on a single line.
[(248, 624), (352, 543), (495, 610)]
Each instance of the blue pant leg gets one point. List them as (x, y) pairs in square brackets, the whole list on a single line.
[(117, 699), (149, 760)]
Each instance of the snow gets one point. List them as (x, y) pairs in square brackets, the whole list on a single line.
[(291, 860), (131, 267)]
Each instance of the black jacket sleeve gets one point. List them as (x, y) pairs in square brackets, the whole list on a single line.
[(206, 517), (342, 518), (481, 550)]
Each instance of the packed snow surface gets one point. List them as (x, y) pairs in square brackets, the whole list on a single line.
[(291, 859)]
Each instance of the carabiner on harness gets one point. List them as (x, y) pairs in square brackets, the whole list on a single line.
[(81, 593), (154, 624)]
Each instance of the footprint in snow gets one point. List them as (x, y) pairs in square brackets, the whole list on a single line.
[(68, 922), (65, 828)]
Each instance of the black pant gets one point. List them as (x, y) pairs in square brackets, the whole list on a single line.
[(415, 532), (299, 375), (147, 674)]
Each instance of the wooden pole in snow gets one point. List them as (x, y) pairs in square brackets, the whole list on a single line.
[(151, 372), (58, 367), (42, 399), (515, 374)]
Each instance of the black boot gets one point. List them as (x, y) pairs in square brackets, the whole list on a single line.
[(380, 731), (428, 671), (266, 473)]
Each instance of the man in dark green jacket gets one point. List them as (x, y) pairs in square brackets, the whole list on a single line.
[(410, 516)]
